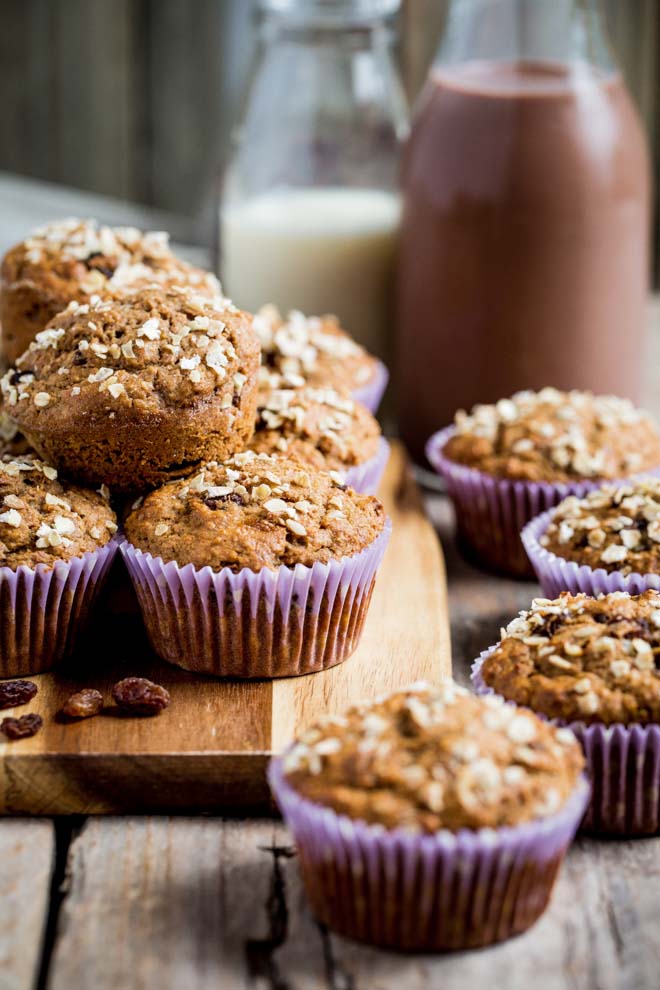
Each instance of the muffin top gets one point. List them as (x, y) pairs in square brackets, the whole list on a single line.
[(556, 436), (148, 353), (12, 440), (323, 427), (582, 659), (310, 349), (43, 520), (430, 758), (255, 511), (75, 259), (613, 527)]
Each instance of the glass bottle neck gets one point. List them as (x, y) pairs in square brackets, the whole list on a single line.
[(561, 31)]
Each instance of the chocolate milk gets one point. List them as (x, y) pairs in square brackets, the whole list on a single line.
[(523, 258)]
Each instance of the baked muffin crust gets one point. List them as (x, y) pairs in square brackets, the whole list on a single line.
[(582, 659), (129, 392), (323, 427), (556, 436), (75, 259), (431, 758), (311, 350), (43, 520), (255, 511), (613, 527)]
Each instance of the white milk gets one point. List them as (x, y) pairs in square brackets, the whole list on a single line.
[(326, 250)]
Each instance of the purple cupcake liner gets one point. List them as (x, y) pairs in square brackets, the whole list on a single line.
[(491, 512), (366, 477), (371, 394), (43, 609), (555, 574), (623, 766), (402, 890), (255, 624)]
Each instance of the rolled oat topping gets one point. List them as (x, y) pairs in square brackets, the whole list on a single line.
[(157, 345), (582, 659), (556, 436), (616, 528), (43, 520), (319, 426), (431, 758), (255, 510), (109, 258), (309, 349)]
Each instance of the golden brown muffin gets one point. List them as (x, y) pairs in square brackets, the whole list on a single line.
[(556, 437), (616, 528), (43, 519), (312, 350), (582, 659), (75, 260), (255, 511), (431, 758), (323, 427), (130, 392)]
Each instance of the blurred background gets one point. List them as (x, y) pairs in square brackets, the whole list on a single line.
[(136, 99)]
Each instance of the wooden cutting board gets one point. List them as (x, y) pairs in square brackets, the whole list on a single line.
[(209, 750)]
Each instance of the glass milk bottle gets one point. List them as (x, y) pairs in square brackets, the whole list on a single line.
[(524, 241), (310, 211)]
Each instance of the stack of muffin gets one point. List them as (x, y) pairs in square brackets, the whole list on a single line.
[(136, 398)]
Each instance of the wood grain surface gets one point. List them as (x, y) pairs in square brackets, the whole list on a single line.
[(209, 750), (27, 852)]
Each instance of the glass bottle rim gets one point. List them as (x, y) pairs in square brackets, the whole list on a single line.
[(330, 13)]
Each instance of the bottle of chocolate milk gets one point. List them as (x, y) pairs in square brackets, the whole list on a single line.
[(524, 249)]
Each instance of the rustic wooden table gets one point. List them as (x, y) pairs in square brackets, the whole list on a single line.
[(201, 903)]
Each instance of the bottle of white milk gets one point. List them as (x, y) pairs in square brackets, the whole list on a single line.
[(310, 208)]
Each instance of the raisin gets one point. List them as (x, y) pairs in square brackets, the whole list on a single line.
[(13, 693), (21, 728), (218, 501), (83, 704), (138, 696)]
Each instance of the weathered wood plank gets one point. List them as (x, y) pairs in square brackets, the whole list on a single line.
[(205, 903), (167, 903), (27, 851)]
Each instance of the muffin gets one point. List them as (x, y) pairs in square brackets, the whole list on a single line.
[(55, 551), (256, 567), (430, 819), (589, 663), (607, 541), (325, 428), (73, 260), (12, 441), (132, 392), (506, 463), (315, 350)]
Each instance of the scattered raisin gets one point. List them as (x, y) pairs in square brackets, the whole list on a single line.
[(13, 693), (139, 696), (21, 728), (219, 501), (83, 704)]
